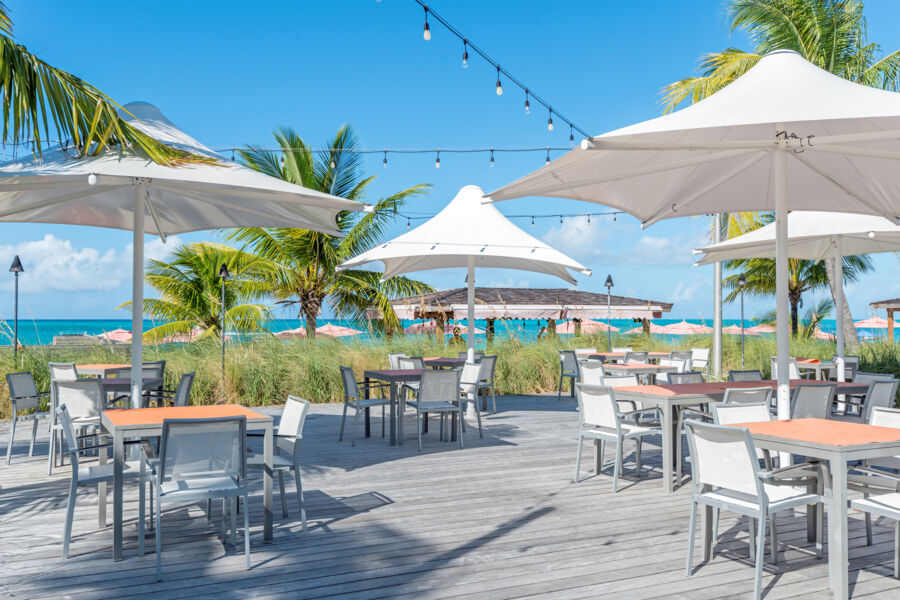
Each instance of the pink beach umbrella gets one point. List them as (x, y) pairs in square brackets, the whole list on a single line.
[(654, 328), (821, 335), (685, 328), (587, 326), (763, 329), (431, 327), (873, 323), (116, 335), (183, 338), (736, 330), (289, 334), (336, 330)]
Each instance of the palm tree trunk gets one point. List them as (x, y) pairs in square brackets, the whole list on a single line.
[(795, 304), (310, 306), (851, 339)]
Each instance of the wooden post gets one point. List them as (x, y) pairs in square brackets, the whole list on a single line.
[(890, 315), (489, 330), (551, 327), (577, 324), (439, 330)]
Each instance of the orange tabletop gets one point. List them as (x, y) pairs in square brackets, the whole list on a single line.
[(807, 361), (98, 368), (824, 431), (126, 417), (719, 387)]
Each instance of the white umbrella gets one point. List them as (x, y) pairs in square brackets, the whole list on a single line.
[(119, 191), (785, 135), (467, 234), (814, 236)]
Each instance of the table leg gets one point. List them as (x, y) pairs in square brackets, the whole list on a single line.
[(268, 443), (368, 424), (668, 447), (118, 465), (838, 560), (367, 396), (101, 487), (708, 533), (394, 424)]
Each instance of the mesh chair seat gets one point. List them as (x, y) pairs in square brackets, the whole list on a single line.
[(199, 487), (781, 497), (434, 406), (101, 473), (629, 430)]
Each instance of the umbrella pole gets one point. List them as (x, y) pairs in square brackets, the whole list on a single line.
[(839, 305), (470, 309), (782, 323), (137, 299)]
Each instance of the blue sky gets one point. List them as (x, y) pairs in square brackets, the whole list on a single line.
[(228, 73)]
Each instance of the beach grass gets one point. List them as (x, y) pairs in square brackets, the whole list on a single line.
[(264, 371)]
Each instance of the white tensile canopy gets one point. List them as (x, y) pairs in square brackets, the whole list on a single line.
[(132, 193), (468, 233), (786, 135), (814, 236)]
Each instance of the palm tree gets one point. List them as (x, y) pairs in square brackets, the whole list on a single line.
[(829, 33), (803, 275), (35, 96), (302, 263), (190, 292)]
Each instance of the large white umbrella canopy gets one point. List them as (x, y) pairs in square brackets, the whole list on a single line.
[(785, 135), (125, 191), (467, 233), (814, 236)]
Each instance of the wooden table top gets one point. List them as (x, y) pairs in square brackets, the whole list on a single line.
[(394, 374), (101, 366), (129, 417), (719, 387), (825, 432), (450, 360)]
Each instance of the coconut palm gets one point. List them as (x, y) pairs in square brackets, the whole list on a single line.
[(190, 292), (829, 33), (302, 263), (39, 100)]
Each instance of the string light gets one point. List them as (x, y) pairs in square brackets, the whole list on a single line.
[(550, 121), (282, 160), (419, 216), (499, 87), (232, 156), (571, 135), (407, 223), (547, 162), (437, 161), (527, 104), (560, 219), (427, 33), (492, 159), (465, 61), (532, 221), (332, 163), (589, 218), (384, 162)]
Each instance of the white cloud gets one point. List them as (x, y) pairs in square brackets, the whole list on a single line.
[(54, 264), (686, 292), (511, 282)]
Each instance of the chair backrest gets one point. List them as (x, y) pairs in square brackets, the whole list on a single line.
[(411, 362), (748, 375), (63, 371), (689, 377), (476, 355), (851, 365), (636, 357), (439, 386), (681, 355), (597, 406), (865, 377), (469, 377), (756, 395), (183, 392), (147, 372), (617, 381), (293, 417), (793, 371), (394, 359), (585, 351), (881, 394), (487, 373), (885, 417), (351, 389), (812, 400), (699, 358), (568, 362), (731, 414), (202, 449), (590, 372), (70, 440), (621, 349), (83, 398), (22, 390), (157, 367), (722, 457), (680, 364)]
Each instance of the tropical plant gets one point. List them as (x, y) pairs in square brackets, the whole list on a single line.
[(190, 292), (303, 264), (831, 34), (811, 322), (39, 100)]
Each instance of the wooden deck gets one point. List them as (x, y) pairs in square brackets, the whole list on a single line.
[(498, 519)]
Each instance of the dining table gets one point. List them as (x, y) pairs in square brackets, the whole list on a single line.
[(671, 397), (821, 368), (99, 369), (838, 443), (130, 423), (394, 378), (439, 362), (638, 369), (620, 356)]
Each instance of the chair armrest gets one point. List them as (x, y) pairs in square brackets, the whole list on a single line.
[(877, 473), (655, 409), (697, 412), (785, 472)]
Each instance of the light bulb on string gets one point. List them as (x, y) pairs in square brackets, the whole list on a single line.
[(532, 221), (232, 155), (426, 35), (333, 165), (282, 159), (384, 162), (560, 219), (465, 60), (589, 218), (492, 159), (571, 135), (527, 104), (547, 162), (499, 87), (407, 222), (437, 160), (550, 121)]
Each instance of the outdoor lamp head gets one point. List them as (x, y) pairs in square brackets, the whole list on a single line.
[(16, 266), (609, 282), (742, 281), (223, 272)]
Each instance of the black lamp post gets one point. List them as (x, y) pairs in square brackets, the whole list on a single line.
[(609, 285), (16, 268), (742, 281), (224, 275)]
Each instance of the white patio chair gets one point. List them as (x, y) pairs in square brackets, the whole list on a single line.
[(287, 438), (620, 381), (602, 420), (487, 381), (180, 396), (622, 349), (882, 505), (202, 459), (636, 357), (568, 369), (590, 372), (686, 377), (438, 393), (23, 396), (355, 399), (681, 365), (700, 359), (757, 395), (394, 359), (851, 366), (793, 371), (726, 475), (93, 475), (682, 355), (478, 355), (812, 400), (881, 394), (868, 483), (84, 400), (584, 351), (745, 375), (469, 380)]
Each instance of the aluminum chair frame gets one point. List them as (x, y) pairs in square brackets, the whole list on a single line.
[(686, 377), (590, 371), (700, 359), (86, 418), (446, 403), (394, 359), (568, 368), (636, 356), (180, 396), (487, 381), (680, 363), (802, 407), (478, 355), (745, 375), (756, 395), (469, 379), (354, 399), (24, 396)]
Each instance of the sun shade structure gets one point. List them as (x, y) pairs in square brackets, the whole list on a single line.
[(127, 191), (814, 236), (587, 326), (736, 330), (470, 234), (685, 328), (872, 323), (332, 330), (891, 306), (786, 135), (116, 335)]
